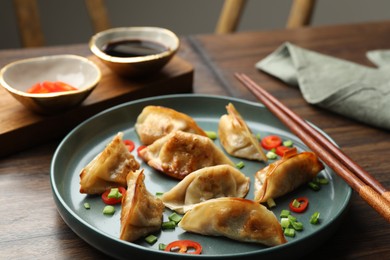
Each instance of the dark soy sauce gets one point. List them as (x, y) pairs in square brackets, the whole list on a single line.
[(133, 48)]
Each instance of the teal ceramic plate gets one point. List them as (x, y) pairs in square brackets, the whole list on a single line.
[(102, 231)]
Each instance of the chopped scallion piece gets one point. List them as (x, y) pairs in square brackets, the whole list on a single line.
[(288, 143), (211, 134), (159, 194), (314, 219), (114, 193), (162, 246), (290, 232), (284, 213), (284, 222), (316, 183), (271, 203), (258, 136), (323, 181), (292, 218), (109, 210), (271, 155), (151, 239), (296, 203), (168, 224), (175, 217), (314, 186), (86, 205), (298, 226), (240, 165)]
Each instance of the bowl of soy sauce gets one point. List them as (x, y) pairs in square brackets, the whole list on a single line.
[(135, 51)]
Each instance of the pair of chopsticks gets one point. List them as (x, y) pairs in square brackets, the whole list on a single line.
[(361, 181)]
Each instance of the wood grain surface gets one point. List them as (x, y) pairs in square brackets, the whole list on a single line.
[(21, 128), (31, 228)]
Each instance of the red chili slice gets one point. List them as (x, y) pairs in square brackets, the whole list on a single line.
[(113, 201), (303, 204), (184, 247), (280, 150), (271, 141), (37, 88), (61, 86), (141, 147), (50, 87), (130, 145)]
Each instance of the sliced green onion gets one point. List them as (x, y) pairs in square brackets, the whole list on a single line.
[(168, 224), (296, 203), (162, 246), (292, 218), (109, 210), (298, 226), (151, 239), (86, 205), (289, 223), (290, 232), (314, 186), (320, 180), (258, 136), (211, 134), (114, 193), (240, 165), (284, 222), (284, 213), (323, 180), (175, 217), (159, 194), (271, 203), (314, 219), (271, 155), (288, 143)]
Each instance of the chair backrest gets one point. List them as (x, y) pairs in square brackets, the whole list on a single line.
[(29, 23), (300, 15)]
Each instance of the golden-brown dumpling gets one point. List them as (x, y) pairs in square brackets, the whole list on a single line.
[(286, 174), (155, 122), (180, 153), (142, 213), (109, 168), (204, 184), (235, 218), (236, 137)]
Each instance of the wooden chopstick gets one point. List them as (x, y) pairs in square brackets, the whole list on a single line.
[(362, 182)]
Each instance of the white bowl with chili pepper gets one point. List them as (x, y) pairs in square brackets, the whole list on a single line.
[(50, 84)]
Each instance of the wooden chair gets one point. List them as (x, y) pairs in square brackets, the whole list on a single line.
[(300, 15), (27, 14)]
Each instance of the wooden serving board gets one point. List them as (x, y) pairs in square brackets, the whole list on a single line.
[(20, 128)]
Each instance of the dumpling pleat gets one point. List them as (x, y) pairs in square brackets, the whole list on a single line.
[(235, 218)]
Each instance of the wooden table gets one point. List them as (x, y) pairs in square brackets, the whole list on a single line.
[(31, 228)]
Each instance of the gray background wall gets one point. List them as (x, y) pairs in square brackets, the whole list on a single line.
[(66, 22)]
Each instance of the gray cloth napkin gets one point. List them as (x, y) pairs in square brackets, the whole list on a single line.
[(344, 87)]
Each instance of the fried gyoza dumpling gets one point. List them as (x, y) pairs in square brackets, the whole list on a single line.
[(180, 153), (235, 218), (204, 184), (236, 137), (286, 174), (109, 168), (142, 213), (155, 122)]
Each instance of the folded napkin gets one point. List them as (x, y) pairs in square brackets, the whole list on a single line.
[(344, 87)]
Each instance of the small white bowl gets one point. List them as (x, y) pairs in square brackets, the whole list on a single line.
[(139, 65), (79, 72)]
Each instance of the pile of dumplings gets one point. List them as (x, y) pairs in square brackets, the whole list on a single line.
[(208, 183)]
